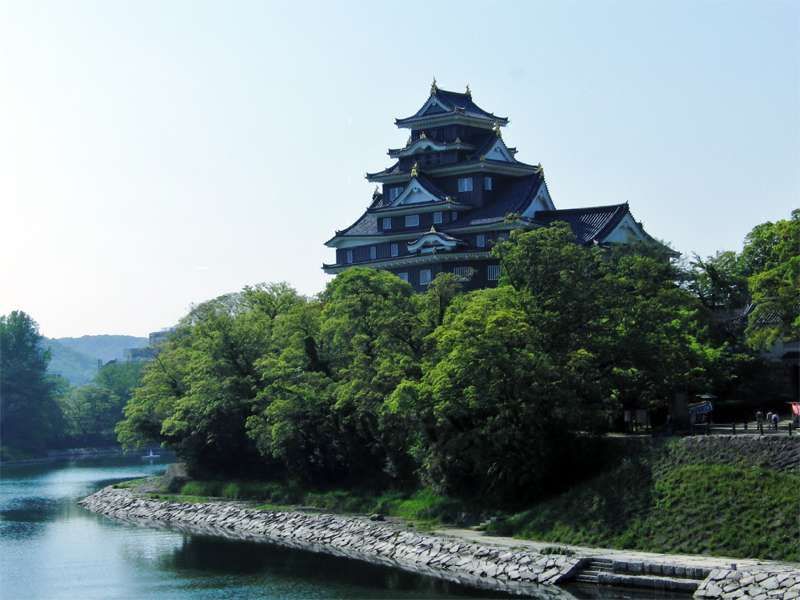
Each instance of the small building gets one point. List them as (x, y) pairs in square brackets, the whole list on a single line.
[(454, 190)]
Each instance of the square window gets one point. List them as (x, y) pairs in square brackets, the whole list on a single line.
[(465, 184), (349, 256), (387, 223), (424, 276), (453, 215), (487, 184), (373, 253), (480, 240), (437, 217), (394, 249), (412, 220), (403, 276), (493, 272)]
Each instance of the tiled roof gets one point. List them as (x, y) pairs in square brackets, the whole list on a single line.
[(513, 198), (456, 102), (366, 225), (588, 224)]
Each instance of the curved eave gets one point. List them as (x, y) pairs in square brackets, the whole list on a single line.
[(407, 261), (451, 118), (412, 151), (421, 207), (474, 166)]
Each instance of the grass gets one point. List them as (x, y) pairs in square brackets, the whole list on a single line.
[(131, 483), (422, 508), (655, 505)]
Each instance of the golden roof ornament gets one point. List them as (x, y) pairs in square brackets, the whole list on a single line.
[(496, 129), (414, 169), (422, 135), (458, 140), (434, 88)]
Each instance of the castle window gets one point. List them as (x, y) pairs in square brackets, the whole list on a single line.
[(349, 257), (487, 184), (395, 192), (394, 250), (480, 240), (425, 277), (412, 220), (493, 272), (387, 223), (463, 273), (453, 215), (437, 217), (373, 253), (403, 276), (465, 184)]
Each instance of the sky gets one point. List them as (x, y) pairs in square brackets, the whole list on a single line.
[(154, 155)]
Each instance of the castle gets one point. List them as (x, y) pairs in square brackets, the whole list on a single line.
[(454, 190)]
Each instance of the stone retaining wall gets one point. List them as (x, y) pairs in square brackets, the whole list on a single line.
[(484, 566), (766, 584)]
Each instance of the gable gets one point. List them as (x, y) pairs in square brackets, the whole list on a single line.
[(626, 231), (541, 201), (432, 107), (499, 151), (415, 193)]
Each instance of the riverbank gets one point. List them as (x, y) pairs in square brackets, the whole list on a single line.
[(510, 566)]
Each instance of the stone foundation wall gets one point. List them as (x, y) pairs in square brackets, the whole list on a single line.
[(484, 566), (766, 584)]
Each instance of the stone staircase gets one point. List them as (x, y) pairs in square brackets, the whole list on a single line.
[(642, 575)]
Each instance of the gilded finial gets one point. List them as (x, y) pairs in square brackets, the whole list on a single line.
[(468, 92), (434, 89), (496, 129), (422, 135), (414, 171)]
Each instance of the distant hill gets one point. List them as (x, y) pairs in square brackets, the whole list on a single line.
[(76, 358), (104, 347), (74, 366)]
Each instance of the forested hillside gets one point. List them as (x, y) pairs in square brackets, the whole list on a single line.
[(104, 347), (74, 366)]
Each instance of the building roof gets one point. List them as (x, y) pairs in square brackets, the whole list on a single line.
[(514, 199), (588, 224), (445, 101)]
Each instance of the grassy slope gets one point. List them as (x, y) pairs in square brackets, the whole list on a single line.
[(657, 502)]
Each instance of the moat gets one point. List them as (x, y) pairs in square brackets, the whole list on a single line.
[(51, 548)]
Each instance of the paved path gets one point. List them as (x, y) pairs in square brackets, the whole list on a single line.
[(689, 560)]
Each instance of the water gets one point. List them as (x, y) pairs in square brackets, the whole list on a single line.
[(51, 548)]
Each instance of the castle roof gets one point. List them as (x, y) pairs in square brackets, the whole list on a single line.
[(443, 104), (588, 224)]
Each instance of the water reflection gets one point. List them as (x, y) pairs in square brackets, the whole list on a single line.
[(51, 548)]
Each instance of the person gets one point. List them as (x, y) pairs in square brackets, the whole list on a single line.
[(775, 421), (759, 419)]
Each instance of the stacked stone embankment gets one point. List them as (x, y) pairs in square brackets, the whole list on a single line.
[(781, 453), (484, 566), (764, 584), (523, 569)]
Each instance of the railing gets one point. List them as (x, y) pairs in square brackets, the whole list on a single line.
[(751, 428)]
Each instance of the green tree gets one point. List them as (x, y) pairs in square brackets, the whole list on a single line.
[(30, 418), (771, 260)]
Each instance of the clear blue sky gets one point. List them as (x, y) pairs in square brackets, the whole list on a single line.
[(156, 154)]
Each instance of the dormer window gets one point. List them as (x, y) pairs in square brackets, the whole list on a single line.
[(437, 217), (465, 184), (480, 240), (487, 184), (387, 223), (394, 193), (394, 249), (412, 221)]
